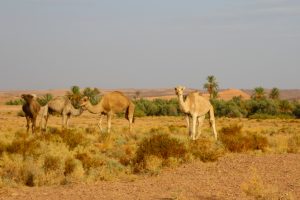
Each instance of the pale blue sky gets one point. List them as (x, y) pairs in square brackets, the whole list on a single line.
[(47, 44)]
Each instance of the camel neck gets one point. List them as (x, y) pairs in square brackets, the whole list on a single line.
[(182, 103), (94, 109)]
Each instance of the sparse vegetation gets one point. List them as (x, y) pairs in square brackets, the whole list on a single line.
[(255, 187), (206, 149), (15, 102), (82, 154), (158, 149), (235, 140)]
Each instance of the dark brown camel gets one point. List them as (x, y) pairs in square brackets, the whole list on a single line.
[(31, 109)]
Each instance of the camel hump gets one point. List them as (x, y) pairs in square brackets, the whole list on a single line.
[(115, 101)]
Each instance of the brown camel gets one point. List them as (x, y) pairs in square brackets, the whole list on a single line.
[(195, 107), (111, 103), (63, 106), (31, 109)]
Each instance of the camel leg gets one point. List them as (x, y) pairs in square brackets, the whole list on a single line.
[(46, 122), (41, 124), (130, 116), (108, 122), (212, 122), (27, 123), (33, 120), (100, 123), (63, 121), (199, 125), (187, 119), (130, 124), (194, 124), (67, 121)]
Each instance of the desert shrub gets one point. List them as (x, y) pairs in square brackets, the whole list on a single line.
[(230, 108), (10, 168), (153, 164), (262, 106), (157, 107), (160, 145), (90, 157), (73, 170), (3, 147), (128, 155), (72, 138), (51, 163), (23, 146), (70, 166), (15, 102), (268, 116), (15, 170), (296, 111), (294, 144), (206, 149), (235, 140)]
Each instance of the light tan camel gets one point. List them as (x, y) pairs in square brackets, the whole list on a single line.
[(61, 105), (31, 109), (111, 103), (195, 107)]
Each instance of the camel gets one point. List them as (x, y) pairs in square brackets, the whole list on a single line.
[(31, 109), (61, 105), (195, 107), (111, 103)]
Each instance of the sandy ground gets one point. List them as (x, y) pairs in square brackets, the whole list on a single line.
[(219, 180)]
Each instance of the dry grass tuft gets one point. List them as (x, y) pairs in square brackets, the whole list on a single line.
[(256, 188), (206, 149), (161, 146), (51, 163), (235, 140), (294, 144), (72, 138)]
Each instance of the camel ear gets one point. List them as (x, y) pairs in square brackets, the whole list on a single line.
[(183, 88)]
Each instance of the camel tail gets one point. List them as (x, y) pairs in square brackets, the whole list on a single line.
[(130, 112)]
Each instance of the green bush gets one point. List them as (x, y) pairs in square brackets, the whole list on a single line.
[(15, 102), (45, 99), (157, 107), (296, 111)]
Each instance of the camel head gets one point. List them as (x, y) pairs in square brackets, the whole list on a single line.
[(179, 90), (28, 97), (84, 101)]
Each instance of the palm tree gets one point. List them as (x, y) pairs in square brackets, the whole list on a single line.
[(274, 94), (45, 99), (74, 95), (137, 95), (93, 94), (211, 86), (259, 93)]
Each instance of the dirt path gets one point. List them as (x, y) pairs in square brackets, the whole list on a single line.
[(219, 180)]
